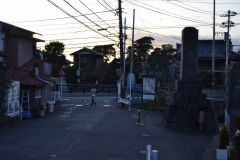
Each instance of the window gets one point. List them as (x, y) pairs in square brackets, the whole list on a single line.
[(38, 93)]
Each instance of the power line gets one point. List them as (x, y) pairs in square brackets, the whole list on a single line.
[(54, 24), (52, 19), (86, 17), (66, 32), (79, 20), (72, 44), (167, 14), (190, 9), (171, 37), (97, 16), (106, 7), (58, 39), (221, 3), (107, 4), (63, 28)]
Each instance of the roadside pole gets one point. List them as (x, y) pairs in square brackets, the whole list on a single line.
[(131, 67), (121, 46)]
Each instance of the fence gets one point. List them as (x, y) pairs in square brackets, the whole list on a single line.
[(86, 89), (218, 94)]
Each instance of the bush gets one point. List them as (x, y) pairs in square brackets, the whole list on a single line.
[(152, 106), (223, 138), (236, 139)]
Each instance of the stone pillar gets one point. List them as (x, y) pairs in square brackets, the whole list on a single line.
[(188, 99), (189, 54)]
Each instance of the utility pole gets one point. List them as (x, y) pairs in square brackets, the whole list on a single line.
[(213, 45), (121, 46), (227, 24), (132, 49), (124, 47), (131, 75)]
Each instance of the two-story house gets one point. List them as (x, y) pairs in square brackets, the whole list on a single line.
[(86, 59), (23, 63)]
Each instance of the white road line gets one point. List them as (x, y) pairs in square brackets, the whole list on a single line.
[(143, 152), (88, 127), (66, 99), (145, 135), (106, 105), (79, 105)]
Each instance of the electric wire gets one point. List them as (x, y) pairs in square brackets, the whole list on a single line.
[(79, 20), (53, 19), (85, 16), (106, 7), (98, 16), (167, 14)]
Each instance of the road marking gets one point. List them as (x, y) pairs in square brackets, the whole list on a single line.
[(88, 127), (106, 105), (79, 105), (143, 152), (145, 135), (53, 155), (66, 99), (106, 100)]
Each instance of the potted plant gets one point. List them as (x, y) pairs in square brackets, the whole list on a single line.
[(222, 151)]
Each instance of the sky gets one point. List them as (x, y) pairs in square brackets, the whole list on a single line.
[(87, 23)]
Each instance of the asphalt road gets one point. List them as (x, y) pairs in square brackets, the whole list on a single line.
[(75, 131)]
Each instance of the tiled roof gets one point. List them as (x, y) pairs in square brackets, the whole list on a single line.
[(205, 50), (86, 51), (23, 74)]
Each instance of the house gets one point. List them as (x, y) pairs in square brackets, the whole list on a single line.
[(205, 58), (23, 63), (87, 60)]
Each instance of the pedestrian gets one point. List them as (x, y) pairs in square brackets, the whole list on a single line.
[(93, 93), (93, 100)]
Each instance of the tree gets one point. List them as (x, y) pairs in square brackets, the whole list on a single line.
[(223, 138), (53, 54), (108, 51), (142, 47), (70, 74)]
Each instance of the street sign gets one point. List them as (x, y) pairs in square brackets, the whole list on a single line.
[(131, 81)]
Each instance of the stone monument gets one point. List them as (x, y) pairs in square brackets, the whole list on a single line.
[(188, 99), (233, 97)]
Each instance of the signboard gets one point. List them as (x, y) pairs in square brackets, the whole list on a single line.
[(148, 88), (131, 81)]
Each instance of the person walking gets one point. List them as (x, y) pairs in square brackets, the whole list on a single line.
[(93, 93)]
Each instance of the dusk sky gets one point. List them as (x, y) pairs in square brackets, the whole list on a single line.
[(161, 19)]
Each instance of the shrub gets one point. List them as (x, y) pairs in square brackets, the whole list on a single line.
[(223, 138)]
